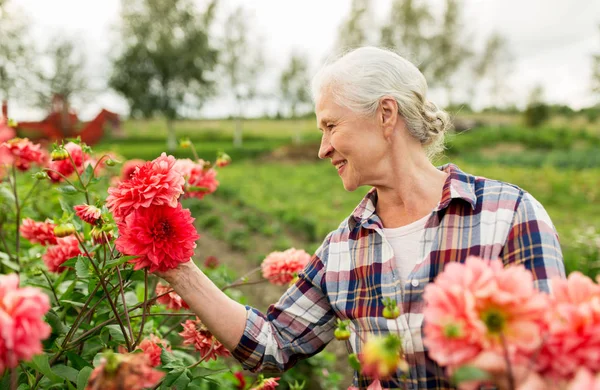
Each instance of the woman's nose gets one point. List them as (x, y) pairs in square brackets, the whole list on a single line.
[(325, 149)]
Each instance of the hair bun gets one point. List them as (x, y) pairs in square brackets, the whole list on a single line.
[(437, 121)]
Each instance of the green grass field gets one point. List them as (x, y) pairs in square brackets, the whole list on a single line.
[(557, 165)]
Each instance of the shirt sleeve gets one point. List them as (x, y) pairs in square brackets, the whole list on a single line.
[(533, 242), (298, 326)]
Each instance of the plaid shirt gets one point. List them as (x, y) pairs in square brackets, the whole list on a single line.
[(354, 270)]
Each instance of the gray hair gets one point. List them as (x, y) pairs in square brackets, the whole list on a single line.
[(361, 77)]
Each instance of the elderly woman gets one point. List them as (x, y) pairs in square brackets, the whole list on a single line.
[(379, 130)]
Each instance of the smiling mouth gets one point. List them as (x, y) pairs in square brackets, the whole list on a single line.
[(340, 166)]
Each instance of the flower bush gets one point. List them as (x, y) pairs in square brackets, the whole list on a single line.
[(79, 306)]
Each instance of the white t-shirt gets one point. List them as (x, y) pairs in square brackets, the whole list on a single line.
[(407, 245)]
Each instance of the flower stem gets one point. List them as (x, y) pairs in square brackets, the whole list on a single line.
[(144, 308), (125, 310), (85, 191), (51, 287), (107, 292), (18, 216), (511, 377)]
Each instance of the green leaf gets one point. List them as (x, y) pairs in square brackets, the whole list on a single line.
[(55, 323), (82, 268), (41, 364), (10, 264), (66, 208), (6, 193), (115, 332), (118, 261), (70, 263), (66, 372), (177, 379), (170, 361), (469, 373), (87, 174), (78, 362), (67, 189), (82, 377), (74, 303), (354, 362)]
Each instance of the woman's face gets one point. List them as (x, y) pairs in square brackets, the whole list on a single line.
[(355, 144)]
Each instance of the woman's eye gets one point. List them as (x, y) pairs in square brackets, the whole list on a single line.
[(330, 126)]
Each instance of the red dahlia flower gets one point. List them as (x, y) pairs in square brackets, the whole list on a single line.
[(152, 349), (88, 213), (281, 267), (161, 236), (23, 153), (65, 167), (172, 300), (38, 232), (194, 333), (22, 326), (65, 249), (154, 183)]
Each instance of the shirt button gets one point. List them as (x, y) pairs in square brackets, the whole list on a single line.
[(415, 282)]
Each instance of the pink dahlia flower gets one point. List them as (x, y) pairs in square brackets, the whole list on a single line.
[(472, 306), (185, 166), (152, 347), (129, 168), (6, 132), (23, 153), (161, 237), (194, 333), (66, 248), (88, 213), (66, 167), (22, 326), (266, 384), (584, 379), (201, 182), (573, 339), (38, 232), (133, 371), (281, 267), (154, 183), (172, 300)]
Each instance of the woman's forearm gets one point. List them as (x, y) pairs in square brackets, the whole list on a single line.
[(224, 317)]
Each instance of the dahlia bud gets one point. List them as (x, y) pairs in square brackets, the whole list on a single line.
[(100, 236), (223, 160), (391, 310), (41, 175), (185, 143), (88, 213), (342, 332), (59, 154), (110, 162), (211, 262), (64, 230), (382, 356)]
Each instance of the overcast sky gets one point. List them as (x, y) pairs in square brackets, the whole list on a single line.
[(552, 40)]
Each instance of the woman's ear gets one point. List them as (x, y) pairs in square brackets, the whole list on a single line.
[(388, 115)]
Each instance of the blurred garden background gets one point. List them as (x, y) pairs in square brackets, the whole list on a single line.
[(521, 80)]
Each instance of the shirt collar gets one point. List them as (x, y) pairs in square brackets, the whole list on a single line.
[(458, 185)]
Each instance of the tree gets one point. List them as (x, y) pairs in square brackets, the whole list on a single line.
[(537, 112), (294, 84), (294, 87), (596, 74), (65, 76), (495, 64), (450, 51), (405, 32), (166, 59), (16, 52), (241, 62), (352, 32)]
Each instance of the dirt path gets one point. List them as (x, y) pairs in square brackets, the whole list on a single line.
[(263, 295)]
